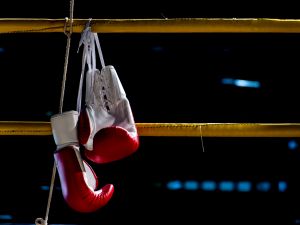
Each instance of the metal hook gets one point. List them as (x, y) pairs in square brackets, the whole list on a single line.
[(84, 33), (67, 24), (88, 24)]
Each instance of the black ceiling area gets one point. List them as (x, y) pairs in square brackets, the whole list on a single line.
[(168, 78)]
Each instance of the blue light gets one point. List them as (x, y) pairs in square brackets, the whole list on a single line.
[(282, 186), (174, 185), (263, 186), (44, 188), (293, 145), (191, 185), (2, 50), (6, 217), (227, 81), (241, 83), (247, 83), (209, 186), (226, 186), (47, 188), (244, 186)]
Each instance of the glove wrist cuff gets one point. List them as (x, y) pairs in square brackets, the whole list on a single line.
[(64, 128)]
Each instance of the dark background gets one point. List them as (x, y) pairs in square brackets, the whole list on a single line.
[(167, 78)]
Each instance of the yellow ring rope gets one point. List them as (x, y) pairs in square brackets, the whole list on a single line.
[(174, 25), (172, 129)]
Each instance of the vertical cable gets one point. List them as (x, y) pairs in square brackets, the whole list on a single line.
[(68, 45), (200, 127)]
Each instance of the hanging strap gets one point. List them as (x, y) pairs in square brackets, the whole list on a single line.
[(86, 59), (88, 39), (99, 50), (84, 56)]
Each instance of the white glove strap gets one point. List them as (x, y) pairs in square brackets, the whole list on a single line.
[(88, 39), (64, 128)]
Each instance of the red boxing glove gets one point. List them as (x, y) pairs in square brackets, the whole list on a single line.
[(77, 178), (106, 127)]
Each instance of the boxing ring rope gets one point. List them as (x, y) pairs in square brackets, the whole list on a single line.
[(174, 25), (172, 129)]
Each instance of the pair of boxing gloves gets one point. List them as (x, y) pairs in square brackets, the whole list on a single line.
[(104, 131)]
